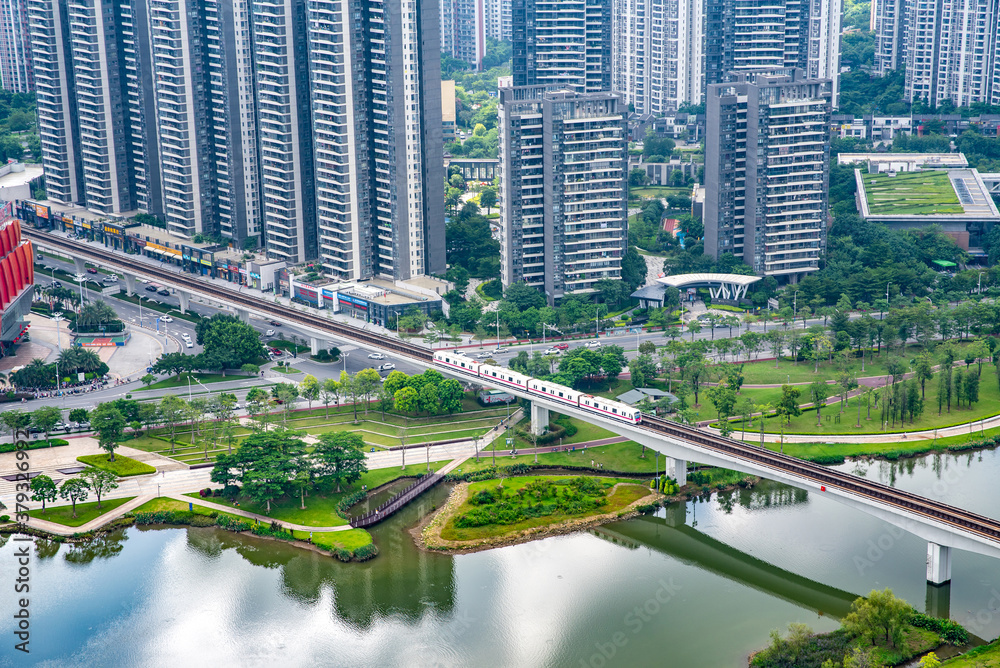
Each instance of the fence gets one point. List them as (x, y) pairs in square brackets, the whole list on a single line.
[(397, 502)]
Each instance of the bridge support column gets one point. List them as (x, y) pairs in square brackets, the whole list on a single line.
[(680, 471), (243, 315), (129, 284), (938, 601), (80, 264), (539, 419), (314, 345), (185, 299), (938, 564)]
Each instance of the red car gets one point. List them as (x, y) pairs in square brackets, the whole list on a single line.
[(561, 346), (91, 270)]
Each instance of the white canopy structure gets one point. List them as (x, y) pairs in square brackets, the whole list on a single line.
[(732, 287)]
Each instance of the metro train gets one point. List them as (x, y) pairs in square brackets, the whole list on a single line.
[(502, 377)]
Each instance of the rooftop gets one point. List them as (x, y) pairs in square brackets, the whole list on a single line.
[(926, 196), (906, 161), (19, 178)]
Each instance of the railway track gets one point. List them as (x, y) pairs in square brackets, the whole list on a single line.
[(941, 512)]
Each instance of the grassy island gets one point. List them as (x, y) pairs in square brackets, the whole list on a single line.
[(494, 512)]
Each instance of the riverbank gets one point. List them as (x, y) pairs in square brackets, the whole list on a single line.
[(428, 533)]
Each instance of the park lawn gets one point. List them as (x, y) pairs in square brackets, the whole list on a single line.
[(321, 508), (164, 504), (349, 540), (657, 191), (987, 656), (122, 466), (988, 405), (285, 369), (626, 457), (760, 396), (85, 512), (618, 499), (174, 381)]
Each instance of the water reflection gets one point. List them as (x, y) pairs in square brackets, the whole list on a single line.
[(105, 546)]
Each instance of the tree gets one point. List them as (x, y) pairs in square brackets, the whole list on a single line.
[(45, 418), (881, 617), (642, 369), (109, 423), (752, 342), (173, 409), (724, 400), (693, 328), (16, 420), (309, 389), (328, 392), (745, 408), (148, 380), (430, 402), (175, 363), (148, 414), (923, 370), (100, 481), (285, 394), (224, 409), (450, 395), (366, 382), (269, 464), (257, 405), (406, 400), (250, 369), (349, 387), (196, 409), (230, 339), (73, 490), (488, 199), (43, 489), (340, 458), (971, 388), (819, 391), (788, 405), (78, 415), (776, 339)]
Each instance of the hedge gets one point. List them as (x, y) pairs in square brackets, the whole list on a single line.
[(34, 445)]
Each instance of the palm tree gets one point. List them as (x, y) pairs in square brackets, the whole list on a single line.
[(96, 313)]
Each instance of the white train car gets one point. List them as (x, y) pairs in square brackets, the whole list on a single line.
[(612, 409), (503, 377), (555, 392), (457, 362)]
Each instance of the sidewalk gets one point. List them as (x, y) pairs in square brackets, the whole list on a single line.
[(96, 523)]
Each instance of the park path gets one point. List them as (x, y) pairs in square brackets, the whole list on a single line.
[(96, 523)]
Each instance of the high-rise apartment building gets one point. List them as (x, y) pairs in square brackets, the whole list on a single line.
[(889, 22), (565, 43), (658, 53), (378, 138), (463, 30), (16, 74), (498, 20), (746, 35), (951, 51), (767, 171), (563, 163)]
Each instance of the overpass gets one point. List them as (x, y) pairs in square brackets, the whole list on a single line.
[(943, 527)]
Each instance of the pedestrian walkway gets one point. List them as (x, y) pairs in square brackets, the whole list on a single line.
[(253, 516), (97, 523)]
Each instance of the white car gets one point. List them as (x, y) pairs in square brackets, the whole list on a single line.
[(593, 344), (484, 356), (186, 337), (188, 344), (269, 332), (376, 356), (166, 318), (551, 351), (388, 366), (460, 352)]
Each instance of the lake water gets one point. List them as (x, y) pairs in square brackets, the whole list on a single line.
[(699, 585)]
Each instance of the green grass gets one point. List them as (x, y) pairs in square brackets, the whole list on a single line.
[(626, 457), (85, 512), (182, 381), (616, 501), (122, 466), (988, 405), (288, 346), (349, 540), (165, 504), (321, 507), (285, 369), (657, 191), (987, 656), (911, 193)]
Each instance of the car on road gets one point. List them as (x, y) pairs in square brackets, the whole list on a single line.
[(150, 288), (107, 280), (91, 270), (460, 352), (58, 284), (142, 280), (188, 344), (551, 351), (269, 332), (83, 426), (388, 366), (274, 323), (39, 256), (185, 336), (376, 356), (484, 356), (593, 344), (164, 292), (166, 318), (561, 346), (276, 352)]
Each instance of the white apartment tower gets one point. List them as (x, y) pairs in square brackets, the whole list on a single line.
[(498, 19), (563, 164), (658, 53), (16, 73), (767, 159), (463, 30)]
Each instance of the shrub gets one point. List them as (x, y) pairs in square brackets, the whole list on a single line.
[(366, 552), (35, 445), (231, 491), (341, 553), (184, 517), (647, 508), (232, 524), (827, 459), (952, 632), (350, 500), (4, 518)]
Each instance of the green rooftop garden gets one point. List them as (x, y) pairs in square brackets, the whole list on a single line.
[(911, 194)]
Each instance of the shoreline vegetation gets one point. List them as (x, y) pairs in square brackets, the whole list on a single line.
[(614, 501)]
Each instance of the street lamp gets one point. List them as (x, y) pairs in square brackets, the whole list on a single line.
[(344, 357)]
